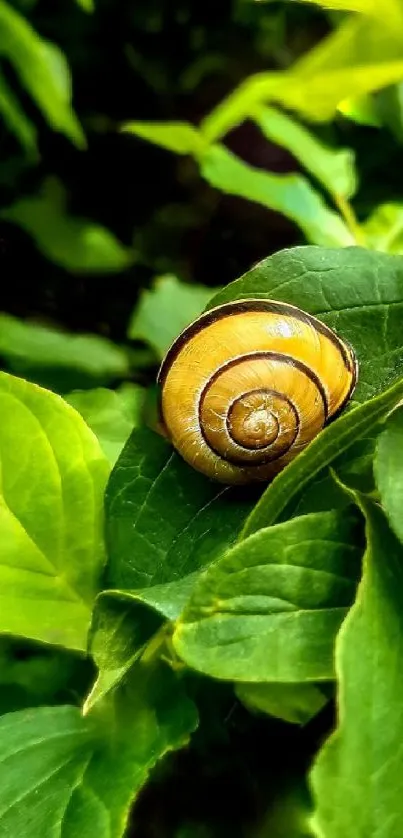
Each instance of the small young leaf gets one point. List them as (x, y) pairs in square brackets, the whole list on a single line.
[(270, 609), (123, 626), (53, 475), (291, 195), (388, 470), (164, 520), (111, 414), (164, 311), (43, 70), (367, 741), (294, 703), (383, 230), (62, 773), (180, 137), (331, 442), (334, 168), (77, 244)]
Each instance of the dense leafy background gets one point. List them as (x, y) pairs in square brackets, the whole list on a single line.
[(151, 153)]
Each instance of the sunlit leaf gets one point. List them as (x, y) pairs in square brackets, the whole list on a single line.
[(180, 137), (383, 230), (290, 194), (53, 476), (334, 168)]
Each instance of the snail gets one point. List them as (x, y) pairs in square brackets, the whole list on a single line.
[(249, 384)]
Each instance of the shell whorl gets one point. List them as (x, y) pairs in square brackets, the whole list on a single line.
[(249, 384)]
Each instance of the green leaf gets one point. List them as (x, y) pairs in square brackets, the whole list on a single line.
[(388, 470), (111, 414), (123, 626), (180, 137), (60, 773), (368, 7), (165, 310), (16, 120), (331, 442), (383, 230), (366, 743), (32, 347), (294, 703), (117, 640), (334, 168), (291, 195), (314, 87), (53, 475), (86, 5), (43, 71), (270, 609), (164, 520), (78, 245), (356, 292)]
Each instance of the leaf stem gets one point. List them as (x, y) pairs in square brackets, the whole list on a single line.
[(350, 217)]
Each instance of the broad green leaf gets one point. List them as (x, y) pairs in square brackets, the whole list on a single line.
[(294, 703), (16, 120), (357, 777), (331, 442), (43, 71), (62, 774), (53, 475), (127, 625), (354, 291), (111, 414), (388, 470), (77, 244), (164, 520), (383, 230), (334, 168), (290, 194), (165, 310), (270, 609), (29, 346), (181, 137)]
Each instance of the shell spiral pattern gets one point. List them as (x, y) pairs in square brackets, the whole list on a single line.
[(249, 384)]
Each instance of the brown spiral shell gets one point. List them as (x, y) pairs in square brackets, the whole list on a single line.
[(249, 384)]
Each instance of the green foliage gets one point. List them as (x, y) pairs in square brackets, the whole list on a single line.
[(111, 414), (53, 478), (366, 741), (165, 310), (38, 351), (144, 608), (44, 74), (270, 609), (75, 244), (53, 754)]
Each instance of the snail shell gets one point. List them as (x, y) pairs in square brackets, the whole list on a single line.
[(249, 384)]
